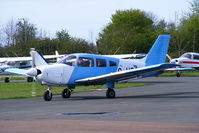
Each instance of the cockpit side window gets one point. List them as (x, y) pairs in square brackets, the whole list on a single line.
[(196, 57), (85, 62), (23, 63)]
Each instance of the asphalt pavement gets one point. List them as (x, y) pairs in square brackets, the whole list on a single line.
[(167, 100)]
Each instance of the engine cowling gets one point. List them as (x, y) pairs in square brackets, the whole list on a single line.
[(33, 72), (57, 74)]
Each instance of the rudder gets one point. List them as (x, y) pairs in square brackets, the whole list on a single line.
[(158, 52), (37, 59)]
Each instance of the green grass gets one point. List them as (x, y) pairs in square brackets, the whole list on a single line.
[(25, 89), (184, 73)]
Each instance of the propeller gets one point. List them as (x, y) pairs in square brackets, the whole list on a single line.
[(169, 58)]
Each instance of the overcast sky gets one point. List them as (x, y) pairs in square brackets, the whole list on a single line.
[(83, 18)]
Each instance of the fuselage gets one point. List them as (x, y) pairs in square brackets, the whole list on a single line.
[(14, 64), (187, 60), (79, 66)]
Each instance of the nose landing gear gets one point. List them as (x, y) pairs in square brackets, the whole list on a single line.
[(48, 94)]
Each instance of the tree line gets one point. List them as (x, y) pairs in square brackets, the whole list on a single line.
[(128, 31), (18, 37)]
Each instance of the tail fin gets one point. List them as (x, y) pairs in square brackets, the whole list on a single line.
[(158, 52), (56, 53), (58, 57), (37, 59)]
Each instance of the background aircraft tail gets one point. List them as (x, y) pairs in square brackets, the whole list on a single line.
[(37, 59), (158, 52)]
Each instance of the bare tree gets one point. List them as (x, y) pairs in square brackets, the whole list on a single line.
[(25, 32), (9, 32)]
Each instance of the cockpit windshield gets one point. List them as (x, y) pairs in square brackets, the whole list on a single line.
[(186, 56), (68, 60), (10, 63)]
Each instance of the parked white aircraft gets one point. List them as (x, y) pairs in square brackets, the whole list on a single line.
[(187, 61), (90, 69), (22, 63)]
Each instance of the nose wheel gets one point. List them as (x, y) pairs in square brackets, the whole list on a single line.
[(110, 93), (178, 74), (48, 95), (66, 93)]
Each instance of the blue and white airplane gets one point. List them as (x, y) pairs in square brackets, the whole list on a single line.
[(90, 69)]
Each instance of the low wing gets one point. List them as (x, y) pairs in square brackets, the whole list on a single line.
[(124, 75), (17, 71), (126, 56)]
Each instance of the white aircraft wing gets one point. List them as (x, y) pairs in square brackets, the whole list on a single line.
[(16, 59), (126, 56), (127, 74), (2, 60), (28, 58)]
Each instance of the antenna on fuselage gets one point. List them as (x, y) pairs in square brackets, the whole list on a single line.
[(117, 50), (134, 52)]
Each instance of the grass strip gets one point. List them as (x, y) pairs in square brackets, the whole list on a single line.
[(29, 90)]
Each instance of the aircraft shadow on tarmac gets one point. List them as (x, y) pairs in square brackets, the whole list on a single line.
[(162, 95), (157, 82)]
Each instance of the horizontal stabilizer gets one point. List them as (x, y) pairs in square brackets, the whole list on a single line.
[(180, 69)]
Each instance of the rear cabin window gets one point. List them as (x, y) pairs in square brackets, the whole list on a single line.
[(100, 62), (85, 62), (112, 63), (196, 57)]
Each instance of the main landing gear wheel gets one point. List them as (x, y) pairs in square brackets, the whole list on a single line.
[(30, 79), (6, 80), (110, 93), (48, 95), (66, 93), (178, 74)]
